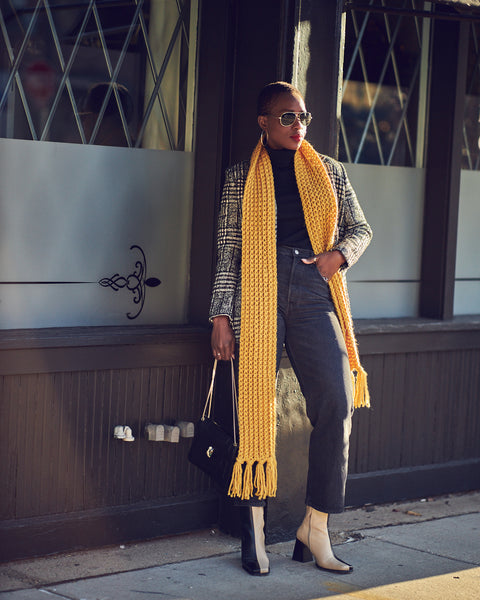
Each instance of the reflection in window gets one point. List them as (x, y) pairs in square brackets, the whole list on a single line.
[(471, 122), (110, 72), (380, 105)]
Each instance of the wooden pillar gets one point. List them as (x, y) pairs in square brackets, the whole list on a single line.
[(213, 73), (318, 68), (262, 54), (449, 52)]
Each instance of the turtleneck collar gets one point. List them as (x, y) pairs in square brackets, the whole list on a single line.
[(281, 158)]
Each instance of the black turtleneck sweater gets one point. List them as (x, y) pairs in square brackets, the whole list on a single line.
[(291, 228)]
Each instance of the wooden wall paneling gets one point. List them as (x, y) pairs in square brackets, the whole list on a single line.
[(9, 440), (51, 441), (61, 448), (176, 462), (185, 375), (379, 459), (369, 420), (394, 391), (187, 402), (104, 390), (24, 429), (88, 435), (374, 445), (465, 398), (155, 474), (365, 425), (71, 424), (127, 448), (149, 447), (131, 477), (121, 449), (42, 440), (185, 405), (427, 394), (139, 410), (111, 420), (379, 437), (420, 418), (78, 423), (472, 428), (411, 409), (450, 406), (28, 470), (431, 391), (168, 450), (168, 461), (69, 413), (462, 442)]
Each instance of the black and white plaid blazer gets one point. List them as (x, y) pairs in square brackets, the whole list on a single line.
[(352, 236)]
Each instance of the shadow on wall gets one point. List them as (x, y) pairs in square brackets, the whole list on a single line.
[(287, 509)]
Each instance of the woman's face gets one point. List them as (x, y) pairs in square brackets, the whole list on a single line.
[(278, 136)]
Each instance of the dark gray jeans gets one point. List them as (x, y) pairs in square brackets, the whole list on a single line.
[(309, 328)]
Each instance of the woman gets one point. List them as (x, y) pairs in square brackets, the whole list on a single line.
[(289, 227)]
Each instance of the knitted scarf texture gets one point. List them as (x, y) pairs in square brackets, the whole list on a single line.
[(255, 470)]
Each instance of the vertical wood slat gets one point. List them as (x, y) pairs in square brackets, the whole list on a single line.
[(9, 444)]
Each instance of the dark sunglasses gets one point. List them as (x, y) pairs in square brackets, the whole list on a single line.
[(289, 118)]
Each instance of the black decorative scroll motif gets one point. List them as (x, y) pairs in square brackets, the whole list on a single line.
[(136, 282)]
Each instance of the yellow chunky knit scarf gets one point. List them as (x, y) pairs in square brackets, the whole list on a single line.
[(255, 471)]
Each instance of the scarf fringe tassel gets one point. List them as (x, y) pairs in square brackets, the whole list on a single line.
[(244, 483), (361, 396)]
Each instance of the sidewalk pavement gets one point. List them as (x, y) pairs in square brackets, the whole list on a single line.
[(421, 550)]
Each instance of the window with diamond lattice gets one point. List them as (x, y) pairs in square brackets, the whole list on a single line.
[(382, 90), (471, 123), (109, 72)]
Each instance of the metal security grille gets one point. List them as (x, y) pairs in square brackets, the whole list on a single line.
[(471, 123), (108, 72), (382, 91)]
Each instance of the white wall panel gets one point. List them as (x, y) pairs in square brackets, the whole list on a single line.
[(69, 215), (385, 281), (467, 268)]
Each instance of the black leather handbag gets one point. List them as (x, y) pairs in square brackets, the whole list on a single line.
[(213, 450)]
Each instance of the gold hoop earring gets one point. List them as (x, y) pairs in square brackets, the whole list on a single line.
[(264, 138)]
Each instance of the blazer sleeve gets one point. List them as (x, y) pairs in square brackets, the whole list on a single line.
[(229, 244), (354, 233)]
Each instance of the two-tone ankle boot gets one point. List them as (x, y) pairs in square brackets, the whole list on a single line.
[(313, 539), (254, 556)]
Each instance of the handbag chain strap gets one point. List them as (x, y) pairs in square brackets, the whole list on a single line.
[(207, 409)]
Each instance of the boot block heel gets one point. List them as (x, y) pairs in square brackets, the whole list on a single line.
[(301, 553)]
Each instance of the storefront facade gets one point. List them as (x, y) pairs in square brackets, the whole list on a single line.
[(117, 120)]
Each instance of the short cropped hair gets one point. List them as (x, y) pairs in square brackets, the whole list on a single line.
[(271, 92)]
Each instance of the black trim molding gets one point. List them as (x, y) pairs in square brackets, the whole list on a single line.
[(40, 536)]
